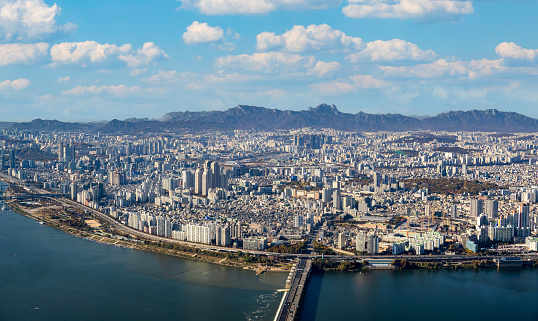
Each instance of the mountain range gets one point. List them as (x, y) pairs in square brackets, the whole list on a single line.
[(323, 116)]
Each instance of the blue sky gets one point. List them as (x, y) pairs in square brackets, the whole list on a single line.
[(98, 60)]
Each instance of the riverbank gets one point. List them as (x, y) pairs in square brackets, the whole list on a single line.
[(81, 222), (83, 225)]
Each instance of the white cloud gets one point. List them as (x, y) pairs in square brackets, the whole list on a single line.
[(17, 84), (64, 80), (162, 75), (85, 52), (146, 55), (368, 82), (223, 7), (222, 77), (354, 83), (333, 87), (311, 38), (288, 64), (14, 53), (510, 50), (268, 62), (29, 20), (408, 9), (202, 32), (322, 68), (119, 90), (441, 68), (392, 50), (91, 52)]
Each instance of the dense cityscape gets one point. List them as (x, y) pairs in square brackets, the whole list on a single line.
[(411, 193)]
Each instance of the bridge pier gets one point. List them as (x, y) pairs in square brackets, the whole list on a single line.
[(297, 281)]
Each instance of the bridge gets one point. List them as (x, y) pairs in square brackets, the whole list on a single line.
[(297, 281)]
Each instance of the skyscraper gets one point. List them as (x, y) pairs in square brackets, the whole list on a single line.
[(372, 244), (341, 241), (491, 208), (476, 207), (522, 217), (198, 181), (12, 163), (361, 242)]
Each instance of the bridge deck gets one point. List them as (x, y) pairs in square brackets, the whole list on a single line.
[(289, 308)]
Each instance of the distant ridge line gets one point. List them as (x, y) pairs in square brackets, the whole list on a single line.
[(246, 117)]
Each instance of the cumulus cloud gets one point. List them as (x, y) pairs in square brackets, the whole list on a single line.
[(202, 32), (441, 68), (146, 55), (278, 63), (336, 87), (17, 84), (368, 82), (223, 7), (392, 50), (311, 38), (322, 68), (14, 53), (119, 90), (268, 62), (162, 76), (510, 50), (29, 20), (64, 80), (408, 9), (354, 84), (91, 52)]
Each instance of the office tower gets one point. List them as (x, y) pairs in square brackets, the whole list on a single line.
[(225, 235), (298, 221), (215, 177), (12, 163), (169, 184), (372, 244), (377, 180), (453, 211), (198, 181), (341, 241), (160, 226), (218, 236), (116, 178), (491, 208), (167, 227), (188, 179), (207, 178), (337, 202), (427, 210), (326, 195), (298, 140), (522, 217), (66, 153), (476, 207), (361, 242), (60, 151)]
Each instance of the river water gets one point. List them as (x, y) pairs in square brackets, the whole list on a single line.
[(46, 274)]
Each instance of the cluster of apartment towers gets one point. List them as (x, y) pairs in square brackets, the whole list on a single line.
[(491, 227), (201, 180)]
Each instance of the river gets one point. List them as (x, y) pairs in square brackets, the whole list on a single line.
[(46, 274)]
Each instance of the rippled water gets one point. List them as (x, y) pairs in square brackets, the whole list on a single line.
[(46, 274)]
